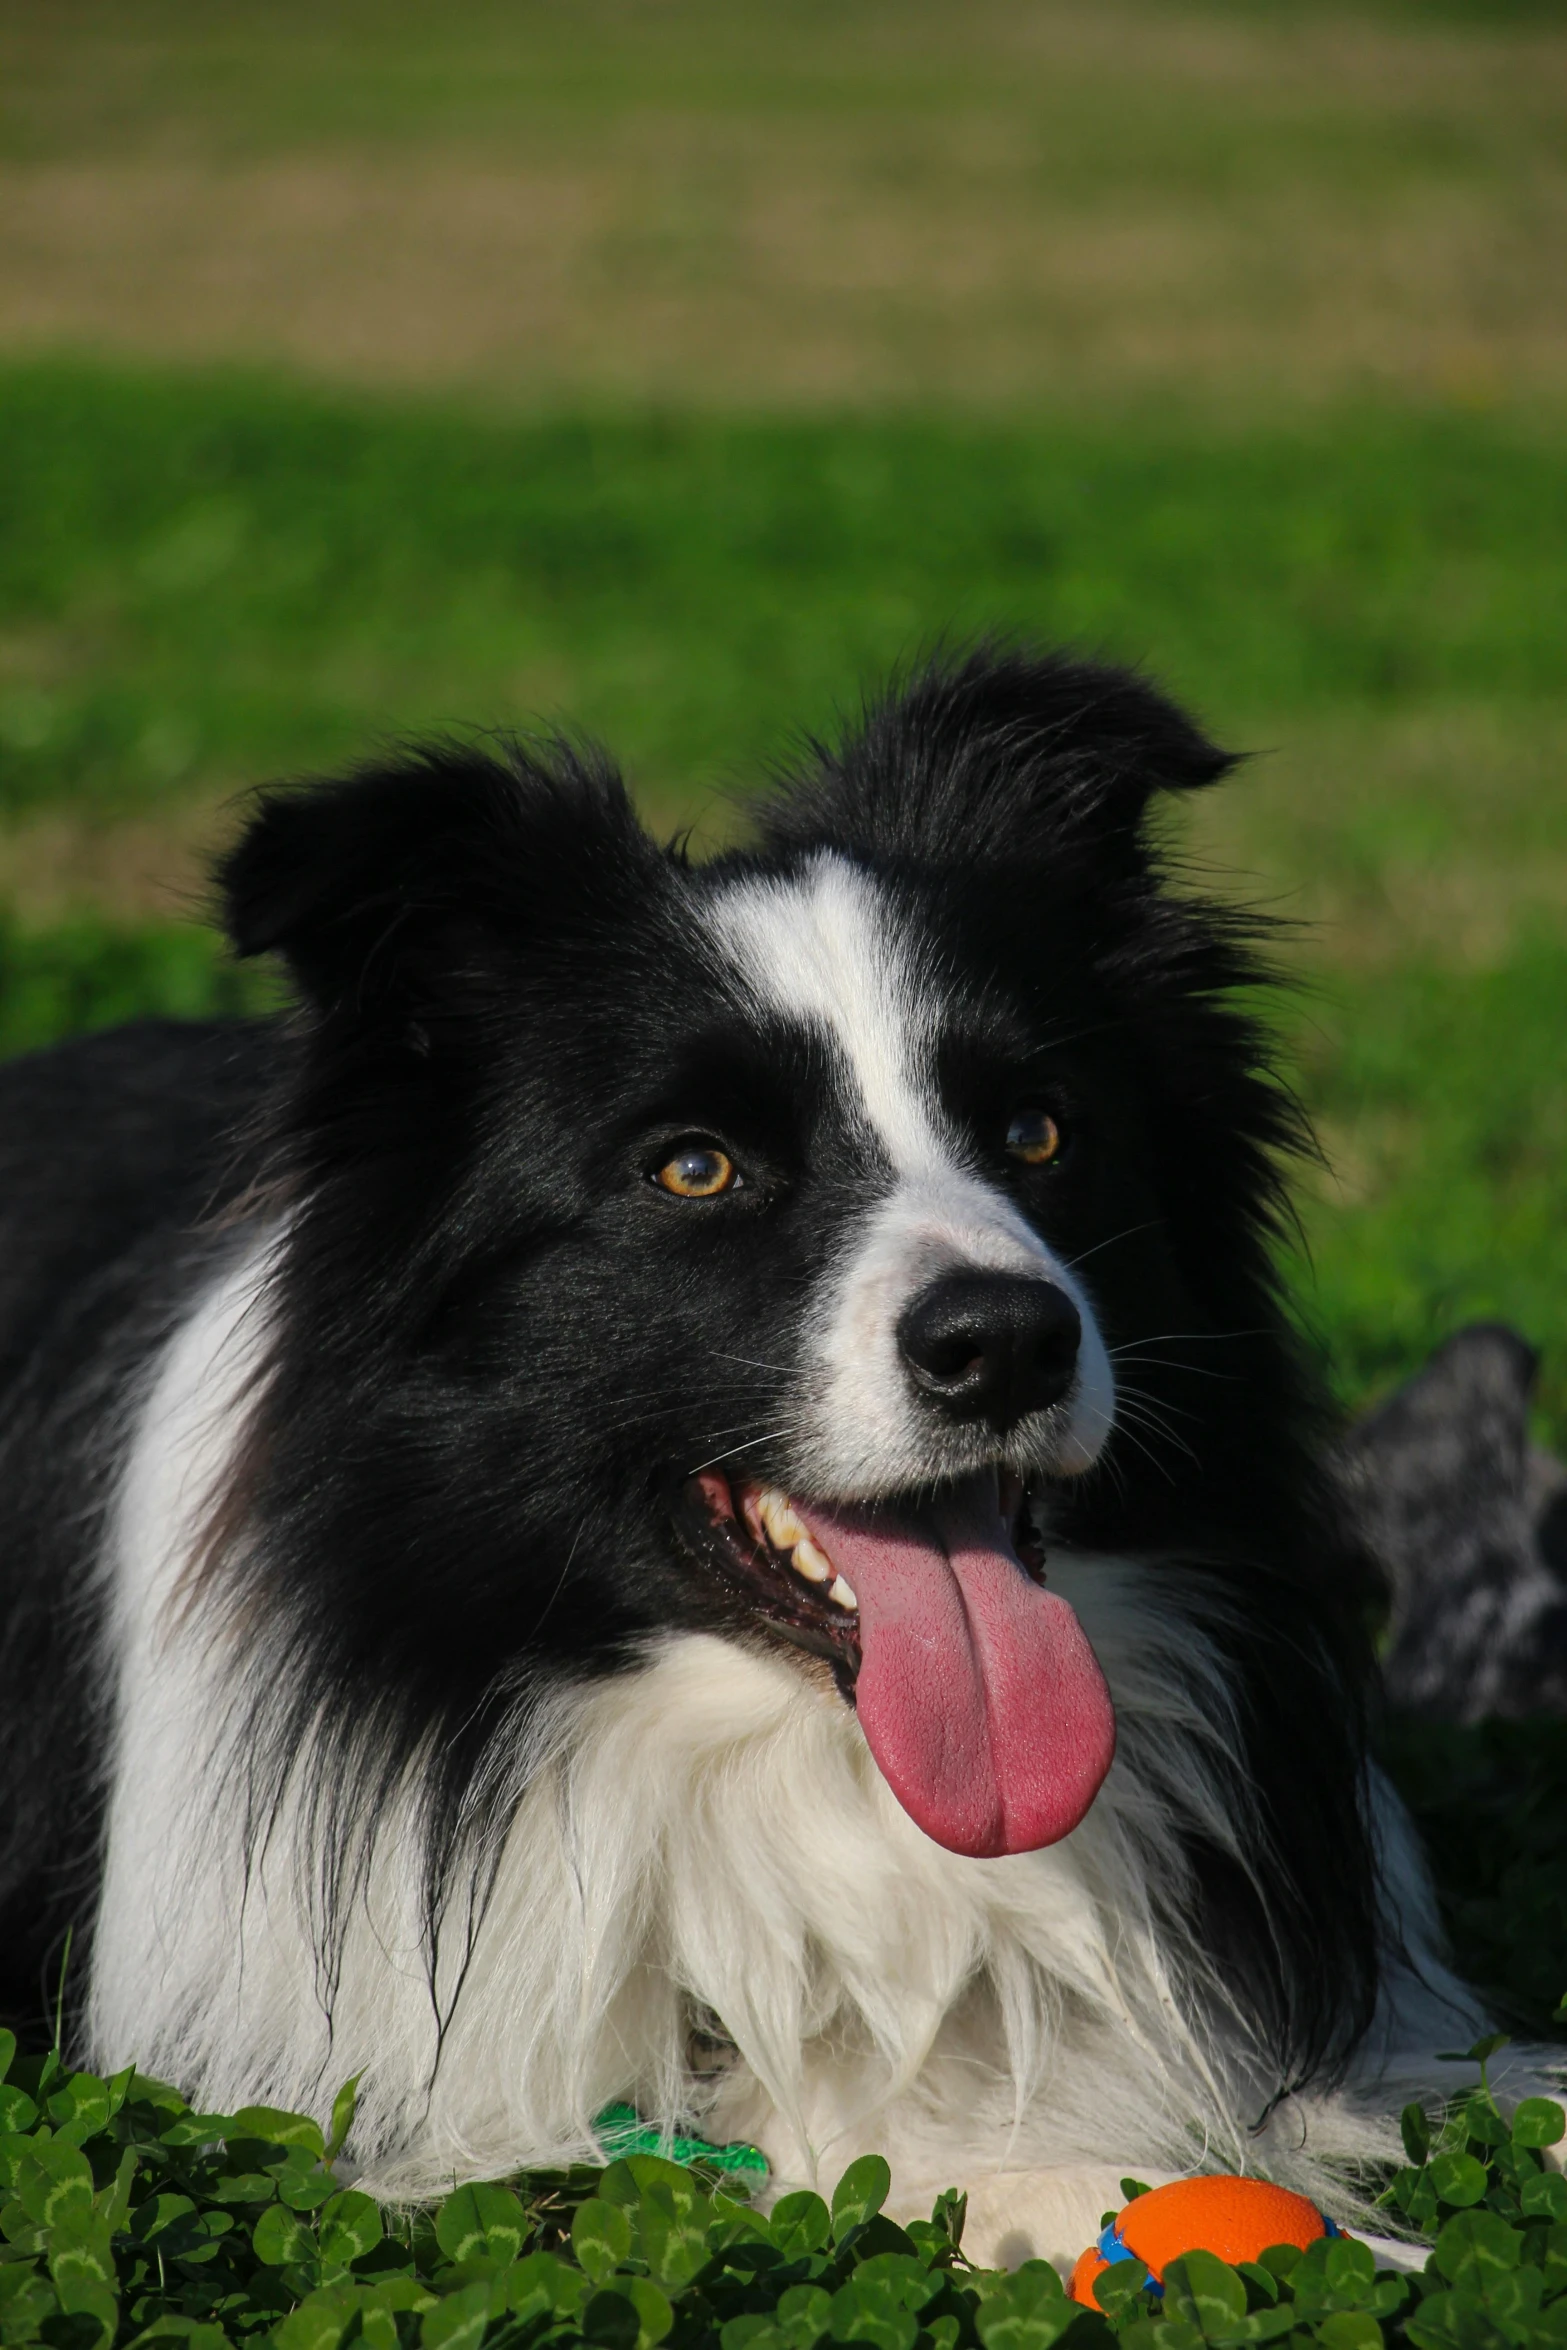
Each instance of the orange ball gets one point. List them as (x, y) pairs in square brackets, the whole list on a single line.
[(1236, 2218)]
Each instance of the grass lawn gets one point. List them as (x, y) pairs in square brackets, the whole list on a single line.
[(784, 202), (675, 370)]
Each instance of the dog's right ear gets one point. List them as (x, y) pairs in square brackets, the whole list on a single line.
[(395, 892)]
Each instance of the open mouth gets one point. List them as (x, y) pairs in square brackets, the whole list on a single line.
[(976, 1687), (761, 1544)]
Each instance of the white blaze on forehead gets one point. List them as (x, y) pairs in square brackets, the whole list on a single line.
[(823, 948)]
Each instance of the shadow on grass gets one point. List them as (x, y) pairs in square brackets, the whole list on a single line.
[(1490, 1803)]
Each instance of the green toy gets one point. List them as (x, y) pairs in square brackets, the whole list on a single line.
[(620, 2130)]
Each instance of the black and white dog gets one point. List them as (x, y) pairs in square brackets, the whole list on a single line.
[(692, 1487)]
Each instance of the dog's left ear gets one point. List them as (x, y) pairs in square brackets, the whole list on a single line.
[(1004, 757)]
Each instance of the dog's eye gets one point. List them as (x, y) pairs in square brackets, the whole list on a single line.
[(700, 1171), (1034, 1137)]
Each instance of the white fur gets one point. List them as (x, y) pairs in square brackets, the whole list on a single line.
[(706, 1838), (827, 950)]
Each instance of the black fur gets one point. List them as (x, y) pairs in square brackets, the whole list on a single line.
[(113, 1151)]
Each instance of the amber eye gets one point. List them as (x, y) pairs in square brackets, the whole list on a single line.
[(1034, 1137), (700, 1171)]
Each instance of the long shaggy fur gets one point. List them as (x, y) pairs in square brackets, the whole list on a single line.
[(351, 1421)]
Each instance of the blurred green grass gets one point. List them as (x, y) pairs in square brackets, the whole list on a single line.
[(1441, 1099), (260, 74), (88, 973), (1234, 206), (208, 580), (200, 578)]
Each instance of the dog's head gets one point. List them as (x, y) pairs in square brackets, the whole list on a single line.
[(786, 1246)]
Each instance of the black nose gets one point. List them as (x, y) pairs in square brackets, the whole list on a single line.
[(991, 1346)]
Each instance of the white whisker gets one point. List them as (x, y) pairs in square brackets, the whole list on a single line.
[(765, 1437)]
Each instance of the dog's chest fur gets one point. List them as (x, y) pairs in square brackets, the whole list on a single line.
[(705, 1898)]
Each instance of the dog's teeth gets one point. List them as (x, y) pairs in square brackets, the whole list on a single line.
[(772, 1518), (763, 1512), (812, 1563), (782, 1527)]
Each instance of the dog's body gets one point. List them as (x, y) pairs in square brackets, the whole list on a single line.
[(569, 1515)]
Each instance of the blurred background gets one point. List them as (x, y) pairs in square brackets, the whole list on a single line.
[(672, 367)]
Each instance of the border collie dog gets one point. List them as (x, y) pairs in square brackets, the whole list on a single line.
[(691, 1486)]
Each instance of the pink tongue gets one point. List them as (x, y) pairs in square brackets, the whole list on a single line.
[(978, 1693)]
